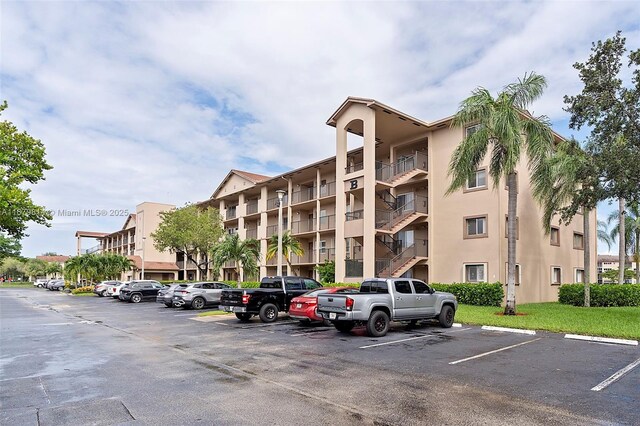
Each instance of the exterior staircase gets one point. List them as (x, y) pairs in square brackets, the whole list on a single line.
[(404, 261)]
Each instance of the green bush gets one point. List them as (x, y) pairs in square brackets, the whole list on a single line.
[(85, 289), (602, 295), (479, 294), (329, 285), (16, 282)]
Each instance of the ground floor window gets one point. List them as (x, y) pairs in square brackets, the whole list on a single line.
[(475, 272), (579, 275), (556, 275)]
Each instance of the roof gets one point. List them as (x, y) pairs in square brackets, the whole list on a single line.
[(251, 177), (55, 258), (367, 102), (91, 234), (153, 266), (132, 216), (611, 258)]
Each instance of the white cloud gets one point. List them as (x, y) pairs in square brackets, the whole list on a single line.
[(156, 101)]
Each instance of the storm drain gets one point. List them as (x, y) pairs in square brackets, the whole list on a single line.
[(98, 413)]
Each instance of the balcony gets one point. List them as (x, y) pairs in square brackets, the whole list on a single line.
[(252, 233), (389, 173), (231, 213), (355, 215), (304, 195), (327, 222), (327, 254), (353, 268), (272, 203), (252, 207), (272, 230), (229, 264), (302, 226), (327, 190), (389, 219), (352, 168), (408, 257), (305, 258)]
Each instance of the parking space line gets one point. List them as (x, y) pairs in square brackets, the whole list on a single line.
[(493, 352), (616, 376), (408, 339)]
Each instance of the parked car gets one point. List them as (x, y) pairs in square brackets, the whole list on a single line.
[(303, 308), (273, 296), (50, 284), (57, 285), (199, 295), (165, 295), (40, 282), (114, 290), (101, 288), (139, 291), (382, 300)]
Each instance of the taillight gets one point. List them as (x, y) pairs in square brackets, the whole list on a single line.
[(245, 299), (349, 304)]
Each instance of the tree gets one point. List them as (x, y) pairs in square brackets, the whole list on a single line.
[(22, 162), (244, 253), (9, 247), (506, 128), (49, 253), (603, 233), (632, 233), (611, 107), (190, 230), (35, 268), (565, 182), (72, 269), (290, 245), (327, 271), (12, 268), (113, 265), (613, 275), (53, 268)]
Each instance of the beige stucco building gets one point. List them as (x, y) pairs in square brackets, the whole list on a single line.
[(134, 241), (381, 210)]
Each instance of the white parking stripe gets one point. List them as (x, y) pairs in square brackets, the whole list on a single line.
[(616, 376), (493, 352), (408, 339), (508, 330)]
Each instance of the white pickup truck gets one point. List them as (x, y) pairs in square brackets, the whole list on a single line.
[(382, 300)]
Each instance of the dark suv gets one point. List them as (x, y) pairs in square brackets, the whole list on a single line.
[(138, 291)]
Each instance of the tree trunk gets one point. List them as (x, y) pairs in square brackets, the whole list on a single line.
[(238, 270), (622, 253), (185, 259), (510, 308), (586, 237), (637, 256)]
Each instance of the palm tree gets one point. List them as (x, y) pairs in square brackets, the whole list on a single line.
[(632, 233), (290, 245), (508, 130), (245, 253), (53, 268), (603, 233), (72, 269), (113, 265)]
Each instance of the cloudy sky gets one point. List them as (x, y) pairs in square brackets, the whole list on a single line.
[(156, 101)]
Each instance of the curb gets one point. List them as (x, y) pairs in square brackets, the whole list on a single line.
[(456, 325), (509, 330), (602, 339)]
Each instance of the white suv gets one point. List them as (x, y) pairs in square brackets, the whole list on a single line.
[(40, 282), (114, 290)]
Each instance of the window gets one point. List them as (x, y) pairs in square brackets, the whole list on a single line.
[(506, 227), (403, 287), (471, 130), (556, 275), (293, 284), (506, 273), (578, 241), (475, 227), (474, 273), (478, 180), (555, 236), (208, 286), (311, 284), (374, 287), (323, 246), (579, 276), (420, 287)]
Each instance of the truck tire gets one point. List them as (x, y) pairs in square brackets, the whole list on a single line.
[(344, 326), (268, 312), (446, 316), (243, 317), (378, 324)]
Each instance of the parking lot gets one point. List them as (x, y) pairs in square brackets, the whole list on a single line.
[(78, 360)]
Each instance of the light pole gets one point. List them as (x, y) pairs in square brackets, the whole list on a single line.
[(143, 240), (280, 193)]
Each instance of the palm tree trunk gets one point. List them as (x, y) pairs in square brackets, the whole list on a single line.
[(184, 265), (587, 256), (510, 308), (637, 256), (622, 253), (239, 271)]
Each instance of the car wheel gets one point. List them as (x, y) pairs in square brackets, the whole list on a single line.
[(198, 303), (344, 326), (378, 324), (103, 293), (446, 316), (243, 317), (169, 305), (136, 298), (268, 312)]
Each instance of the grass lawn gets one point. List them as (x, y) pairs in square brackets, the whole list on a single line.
[(607, 322), (84, 294), (211, 313), (16, 285)]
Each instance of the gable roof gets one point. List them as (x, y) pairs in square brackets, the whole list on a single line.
[(254, 178), (132, 216)]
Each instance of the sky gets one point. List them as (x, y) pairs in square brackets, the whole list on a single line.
[(158, 100)]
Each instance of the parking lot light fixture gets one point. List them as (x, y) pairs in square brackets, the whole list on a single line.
[(280, 193)]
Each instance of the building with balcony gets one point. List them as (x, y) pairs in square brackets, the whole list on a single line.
[(381, 209), (608, 262), (134, 241)]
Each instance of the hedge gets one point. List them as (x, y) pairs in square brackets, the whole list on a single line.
[(480, 294), (602, 295), (85, 289)]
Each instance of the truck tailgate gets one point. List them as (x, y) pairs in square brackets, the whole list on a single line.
[(332, 303), (231, 297)]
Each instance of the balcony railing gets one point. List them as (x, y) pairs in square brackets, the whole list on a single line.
[(388, 172), (272, 230), (353, 268), (386, 267), (327, 254), (305, 194), (389, 218), (355, 215), (327, 222), (231, 213), (302, 226), (272, 203), (93, 249), (252, 233), (229, 264), (327, 190), (252, 206), (305, 258), (351, 168)]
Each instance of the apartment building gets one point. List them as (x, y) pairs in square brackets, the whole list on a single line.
[(134, 241), (609, 262), (381, 210), (59, 259)]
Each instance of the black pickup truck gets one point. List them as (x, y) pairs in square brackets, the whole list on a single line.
[(274, 295)]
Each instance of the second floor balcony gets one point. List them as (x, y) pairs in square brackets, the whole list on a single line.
[(252, 233), (252, 207), (302, 226)]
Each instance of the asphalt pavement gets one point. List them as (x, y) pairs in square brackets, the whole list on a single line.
[(67, 360)]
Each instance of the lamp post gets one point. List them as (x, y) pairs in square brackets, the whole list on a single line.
[(280, 193), (143, 240)]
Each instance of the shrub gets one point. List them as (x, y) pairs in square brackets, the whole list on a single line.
[(329, 285), (85, 289), (603, 295), (480, 294)]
